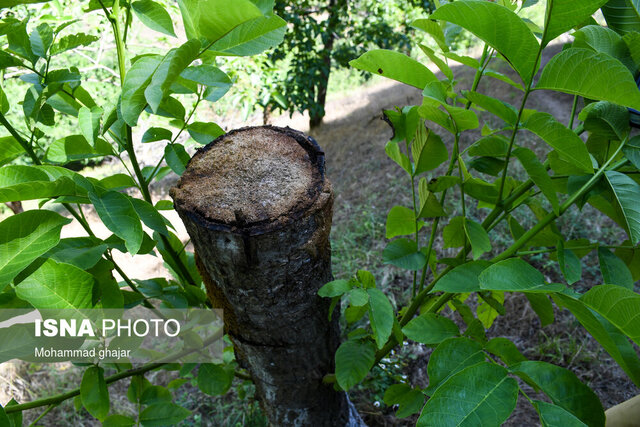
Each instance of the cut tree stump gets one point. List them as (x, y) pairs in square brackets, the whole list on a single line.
[(258, 208)]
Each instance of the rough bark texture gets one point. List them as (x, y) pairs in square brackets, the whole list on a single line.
[(258, 209)]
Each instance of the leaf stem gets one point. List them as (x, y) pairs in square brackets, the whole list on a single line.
[(527, 91), (485, 60), (35, 422), (573, 111), (552, 215), (144, 185), (590, 247)]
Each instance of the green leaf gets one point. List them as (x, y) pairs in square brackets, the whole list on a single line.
[(538, 174), (358, 297), (133, 90), (7, 60), (614, 270), (491, 146), (454, 234), (503, 78), (252, 37), (592, 75), (627, 194), (449, 358), (463, 118), (217, 82), (4, 420), (393, 151), (41, 39), (89, 123), (483, 394), (118, 421), (506, 112), (176, 157), (156, 134), (480, 242), (12, 3), (9, 149), (118, 215), (173, 63), (354, 359), (505, 350), (631, 151), (24, 237), (618, 305), (19, 42), (609, 337), (15, 418), (552, 415), (430, 329), (498, 27), (57, 286), (94, 392), (542, 306), (150, 216), (621, 15), (213, 379), (71, 42), (564, 389), (163, 414), (430, 206), (396, 66), (18, 340), (566, 14), (409, 400), (117, 182), (604, 40), (213, 19), (442, 66), (380, 315), (515, 275), (463, 278), (570, 264), (155, 394), (490, 308), (35, 182), (83, 252), (428, 151), (434, 29), (204, 133), (76, 147), (401, 221), (4, 103), (567, 143), (154, 16), (335, 288), (403, 253)]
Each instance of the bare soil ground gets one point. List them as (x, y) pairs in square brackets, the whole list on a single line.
[(365, 180)]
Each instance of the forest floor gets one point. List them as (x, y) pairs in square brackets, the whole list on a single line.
[(367, 184)]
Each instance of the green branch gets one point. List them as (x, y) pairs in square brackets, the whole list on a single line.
[(55, 400)]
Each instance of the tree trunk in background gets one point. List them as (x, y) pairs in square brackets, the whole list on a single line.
[(258, 209), (335, 9)]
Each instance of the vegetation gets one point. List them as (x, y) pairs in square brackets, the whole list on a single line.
[(594, 159), (328, 34), (482, 375)]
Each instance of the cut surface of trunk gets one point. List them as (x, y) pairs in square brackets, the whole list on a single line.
[(258, 208)]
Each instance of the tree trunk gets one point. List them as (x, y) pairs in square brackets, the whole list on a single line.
[(258, 209), (336, 8)]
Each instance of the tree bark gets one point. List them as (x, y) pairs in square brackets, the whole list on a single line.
[(258, 209)]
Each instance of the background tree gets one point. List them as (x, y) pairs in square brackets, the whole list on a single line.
[(325, 35)]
